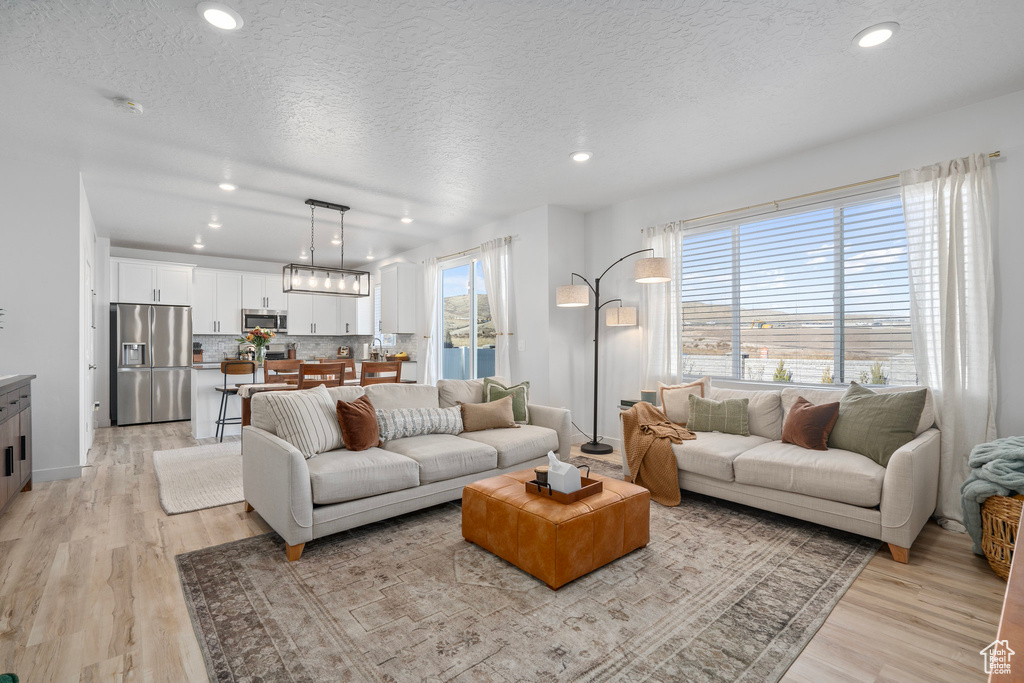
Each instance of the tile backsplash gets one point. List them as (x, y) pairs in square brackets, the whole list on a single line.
[(218, 347)]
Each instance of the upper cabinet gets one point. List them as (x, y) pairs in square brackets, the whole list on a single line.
[(150, 282), (218, 307), (263, 292), (355, 315), (399, 291)]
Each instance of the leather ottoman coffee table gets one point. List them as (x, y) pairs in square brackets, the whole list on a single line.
[(552, 541)]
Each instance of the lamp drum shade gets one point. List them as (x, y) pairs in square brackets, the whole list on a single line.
[(620, 316), (572, 295), (653, 270)]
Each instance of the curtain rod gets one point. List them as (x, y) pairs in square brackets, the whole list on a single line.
[(776, 202), (508, 238)]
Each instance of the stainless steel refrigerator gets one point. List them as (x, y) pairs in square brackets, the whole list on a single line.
[(152, 365)]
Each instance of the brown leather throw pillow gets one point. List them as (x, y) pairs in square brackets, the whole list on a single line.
[(498, 414), (358, 422), (808, 425)]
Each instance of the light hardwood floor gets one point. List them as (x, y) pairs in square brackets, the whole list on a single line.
[(89, 590)]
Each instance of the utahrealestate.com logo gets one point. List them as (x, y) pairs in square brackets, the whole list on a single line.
[(997, 657)]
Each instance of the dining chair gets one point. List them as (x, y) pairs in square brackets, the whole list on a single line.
[(281, 371), (377, 372), (350, 371), (315, 374)]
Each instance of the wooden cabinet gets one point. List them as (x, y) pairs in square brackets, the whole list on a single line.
[(149, 282), (399, 291), (15, 438), (218, 302), (263, 292)]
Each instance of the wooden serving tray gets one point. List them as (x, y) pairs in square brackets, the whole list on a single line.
[(588, 487)]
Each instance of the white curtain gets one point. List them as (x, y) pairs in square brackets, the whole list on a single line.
[(947, 213), (660, 313), (496, 256), (430, 353)]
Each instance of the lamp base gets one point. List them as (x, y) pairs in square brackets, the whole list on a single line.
[(596, 447)]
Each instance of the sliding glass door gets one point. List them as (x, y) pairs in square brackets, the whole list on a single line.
[(467, 331)]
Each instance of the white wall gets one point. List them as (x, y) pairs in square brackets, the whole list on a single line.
[(102, 261), (39, 289), (984, 127), (88, 338)]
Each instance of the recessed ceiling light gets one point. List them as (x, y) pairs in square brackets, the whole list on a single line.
[(220, 16), (335, 241), (581, 156), (228, 187), (303, 256), (406, 219), (214, 225), (198, 244), (877, 34), (369, 257)]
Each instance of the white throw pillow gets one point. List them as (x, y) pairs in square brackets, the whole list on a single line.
[(306, 419), (401, 423), (675, 398)]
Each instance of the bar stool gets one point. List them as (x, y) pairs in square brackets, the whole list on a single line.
[(231, 367)]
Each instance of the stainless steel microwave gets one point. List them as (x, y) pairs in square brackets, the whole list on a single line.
[(276, 321)]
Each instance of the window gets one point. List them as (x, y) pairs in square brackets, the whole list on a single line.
[(467, 330), (819, 295)]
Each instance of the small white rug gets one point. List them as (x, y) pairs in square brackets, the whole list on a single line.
[(199, 477)]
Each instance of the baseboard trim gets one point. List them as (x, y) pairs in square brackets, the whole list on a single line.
[(56, 474)]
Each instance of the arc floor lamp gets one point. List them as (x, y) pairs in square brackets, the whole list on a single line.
[(651, 270)]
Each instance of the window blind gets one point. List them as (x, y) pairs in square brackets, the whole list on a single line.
[(816, 295)]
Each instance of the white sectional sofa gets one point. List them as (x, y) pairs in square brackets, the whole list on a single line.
[(837, 488), (305, 499)]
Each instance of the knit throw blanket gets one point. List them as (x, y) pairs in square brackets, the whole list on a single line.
[(648, 437), (997, 469)]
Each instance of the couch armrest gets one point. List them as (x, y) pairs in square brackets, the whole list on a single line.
[(910, 488), (275, 481), (558, 419)]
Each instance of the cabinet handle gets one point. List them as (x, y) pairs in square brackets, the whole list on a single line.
[(159, 295), (24, 446), (154, 295), (14, 403), (9, 461)]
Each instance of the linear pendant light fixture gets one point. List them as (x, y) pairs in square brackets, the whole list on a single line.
[(309, 278)]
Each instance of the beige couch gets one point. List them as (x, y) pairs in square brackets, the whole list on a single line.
[(837, 488), (305, 499)]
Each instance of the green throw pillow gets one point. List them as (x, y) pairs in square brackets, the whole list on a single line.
[(876, 425), (520, 393), (728, 416)]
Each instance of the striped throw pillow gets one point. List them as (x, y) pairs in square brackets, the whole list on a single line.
[(306, 419), (398, 424), (728, 416)]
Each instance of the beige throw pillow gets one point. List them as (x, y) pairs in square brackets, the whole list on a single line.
[(675, 398), (477, 417)]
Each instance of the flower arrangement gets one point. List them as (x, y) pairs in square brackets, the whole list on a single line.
[(259, 338)]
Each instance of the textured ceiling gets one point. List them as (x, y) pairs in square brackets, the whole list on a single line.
[(457, 113)]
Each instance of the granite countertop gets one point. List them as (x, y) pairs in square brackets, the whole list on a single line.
[(12, 381)]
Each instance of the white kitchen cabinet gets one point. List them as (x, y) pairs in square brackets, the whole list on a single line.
[(364, 316), (399, 291), (218, 307), (147, 282), (261, 291), (355, 315), (325, 314), (300, 314)]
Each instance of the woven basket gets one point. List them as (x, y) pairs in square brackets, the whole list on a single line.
[(999, 519)]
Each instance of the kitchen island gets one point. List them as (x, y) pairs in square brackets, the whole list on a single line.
[(206, 377)]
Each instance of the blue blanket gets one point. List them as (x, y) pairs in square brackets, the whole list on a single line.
[(997, 469)]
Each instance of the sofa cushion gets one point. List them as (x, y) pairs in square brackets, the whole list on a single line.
[(491, 415), (835, 474), (358, 422), (337, 476), (808, 425), (306, 419), (346, 394), (520, 393), (876, 425), (764, 410), (517, 445), (675, 398), (728, 416), (452, 392), (405, 422), (395, 396), (442, 456), (712, 453), (819, 396)]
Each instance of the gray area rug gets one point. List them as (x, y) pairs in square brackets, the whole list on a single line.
[(199, 477), (722, 593)]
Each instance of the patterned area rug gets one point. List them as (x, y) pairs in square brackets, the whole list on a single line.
[(199, 477), (722, 593)]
